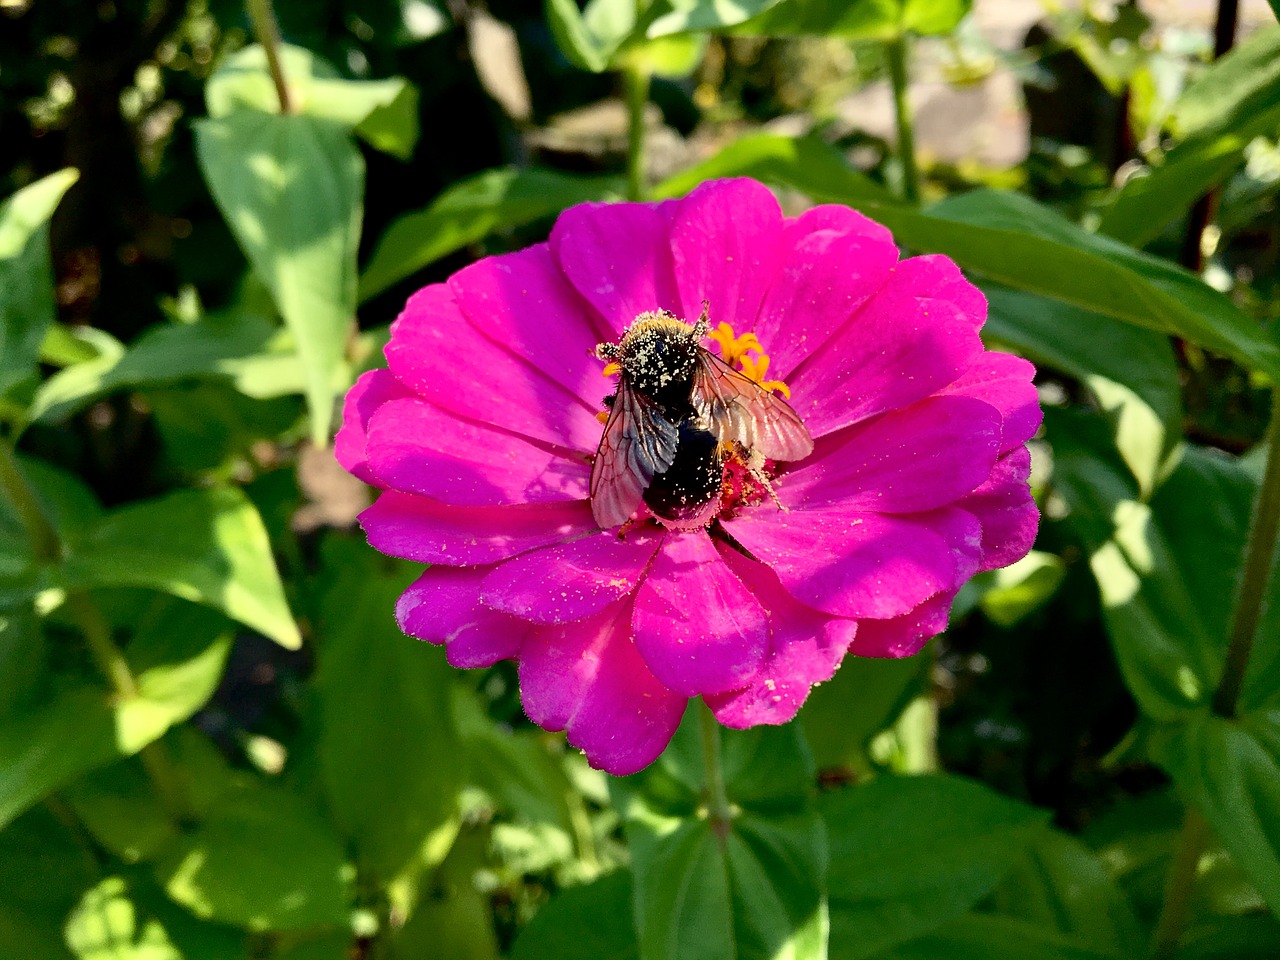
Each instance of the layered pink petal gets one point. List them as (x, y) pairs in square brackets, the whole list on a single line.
[(418, 528), (523, 302), (856, 564), (371, 391), (917, 458), (1006, 510), (826, 274), (805, 647), (416, 447), (731, 269), (441, 355), (1004, 381), (839, 219), (905, 635), (618, 256), (589, 679), (696, 625), (572, 580), (935, 277), (443, 606), (898, 349)]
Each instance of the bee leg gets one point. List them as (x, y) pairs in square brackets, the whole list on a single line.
[(755, 466), (703, 327)]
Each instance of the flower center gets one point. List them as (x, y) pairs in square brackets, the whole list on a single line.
[(737, 349)]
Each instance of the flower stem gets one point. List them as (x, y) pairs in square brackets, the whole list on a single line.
[(1259, 554), (267, 32), (719, 812), (636, 81), (896, 49), (44, 540)]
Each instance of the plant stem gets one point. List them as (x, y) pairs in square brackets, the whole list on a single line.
[(44, 540), (719, 812), (1179, 885), (1257, 568), (267, 32), (636, 82), (897, 53), (1259, 554)]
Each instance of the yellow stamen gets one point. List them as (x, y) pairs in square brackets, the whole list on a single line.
[(610, 369), (603, 415), (734, 349)]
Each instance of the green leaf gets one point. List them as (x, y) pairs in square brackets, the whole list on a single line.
[(575, 41), (1231, 938), (263, 860), (291, 188), (1243, 84), (118, 804), (859, 20), (806, 164), (866, 696), (205, 545), (692, 15), (591, 922), (984, 937), (1231, 772), (26, 274), (468, 212), (751, 891), (910, 853), (377, 686), (1060, 260), (382, 112), (1016, 590), (106, 925)]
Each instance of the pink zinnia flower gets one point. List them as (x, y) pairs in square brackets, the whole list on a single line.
[(482, 430)]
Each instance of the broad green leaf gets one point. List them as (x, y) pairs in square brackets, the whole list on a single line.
[(383, 112), (1057, 259), (856, 20), (576, 42), (591, 922), (218, 346), (205, 545), (263, 860), (291, 188), (986, 937), (377, 686), (454, 919), (751, 891), (1132, 373), (44, 868), (1231, 938), (119, 805), (1230, 771), (468, 212), (910, 853), (806, 164), (1242, 84), (1063, 887), (26, 274), (106, 925), (1014, 591), (22, 657), (691, 15)]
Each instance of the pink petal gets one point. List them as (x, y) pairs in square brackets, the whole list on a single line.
[(437, 352), (416, 447), (898, 349), (443, 606), (417, 528), (1006, 510), (938, 278), (857, 564), (905, 635), (588, 677), (1004, 381), (805, 647), (371, 391), (825, 276), (572, 580), (840, 219), (726, 243), (696, 625), (523, 302), (618, 256), (917, 458)]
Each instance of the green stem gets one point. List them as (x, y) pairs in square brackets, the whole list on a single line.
[(1179, 885), (896, 50), (267, 32), (636, 82), (1257, 569), (719, 812), (44, 540)]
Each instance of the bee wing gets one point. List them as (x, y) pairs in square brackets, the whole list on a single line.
[(736, 408), (638, 442)]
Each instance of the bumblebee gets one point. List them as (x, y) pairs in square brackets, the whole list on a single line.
[(679, 412)]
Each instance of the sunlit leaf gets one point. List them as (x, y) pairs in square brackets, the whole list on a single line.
[(107, 925), (591, 922)]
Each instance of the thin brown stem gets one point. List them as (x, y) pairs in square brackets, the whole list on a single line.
[(267, 32)]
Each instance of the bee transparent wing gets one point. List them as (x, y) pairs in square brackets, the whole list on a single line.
[(638, 442), (738, 409)]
